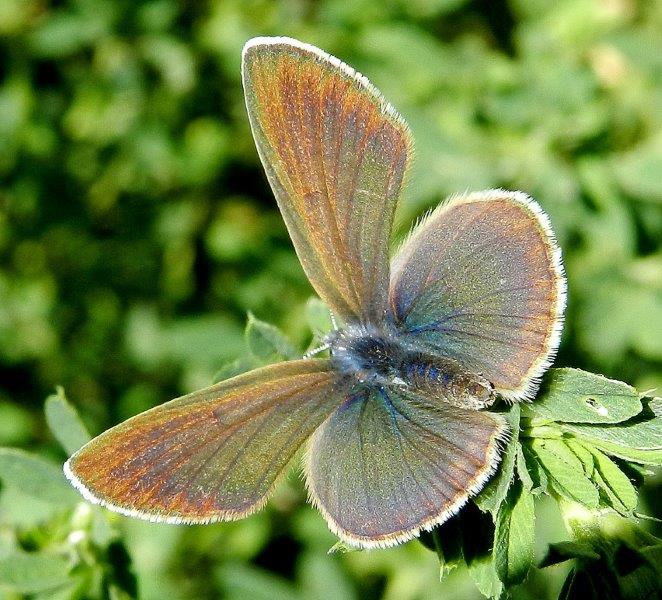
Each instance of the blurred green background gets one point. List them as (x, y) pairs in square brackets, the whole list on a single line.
[(137, 227)]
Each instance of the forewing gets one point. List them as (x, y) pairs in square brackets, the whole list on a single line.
[(481, 282), (211, 455), (335, 153), (388, 464)]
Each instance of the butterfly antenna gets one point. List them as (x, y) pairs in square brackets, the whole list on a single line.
[(325, 346), (315, 351)]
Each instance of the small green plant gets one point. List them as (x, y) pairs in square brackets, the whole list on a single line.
[(61, 547)]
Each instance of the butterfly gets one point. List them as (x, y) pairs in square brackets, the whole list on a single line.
[(396, 440)]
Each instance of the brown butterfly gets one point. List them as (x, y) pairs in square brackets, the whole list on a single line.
[(469, 309)]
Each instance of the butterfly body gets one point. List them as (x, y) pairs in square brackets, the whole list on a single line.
[(469, 309), (381, 356)]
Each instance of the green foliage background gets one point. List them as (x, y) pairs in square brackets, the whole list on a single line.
[(137, 228)]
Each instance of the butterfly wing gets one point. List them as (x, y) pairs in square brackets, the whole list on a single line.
[(335, 153), (481, 282), (388, 464), (211, 455)]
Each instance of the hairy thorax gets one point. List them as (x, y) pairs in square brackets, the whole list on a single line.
[(380, 358)]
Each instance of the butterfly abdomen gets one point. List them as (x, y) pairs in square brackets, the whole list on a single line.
[(446, 380), (418, 369)]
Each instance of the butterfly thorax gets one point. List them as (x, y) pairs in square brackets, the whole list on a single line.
[(381, 358), (366, 353)]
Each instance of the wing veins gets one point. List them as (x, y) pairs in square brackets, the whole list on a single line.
[(399, 436), (343, 257)]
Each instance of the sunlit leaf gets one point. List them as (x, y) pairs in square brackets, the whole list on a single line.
[(614, 482), (30, 573), (64, 422), (523, 471), (643, 432), (266, 342), (584, 455), (36, 477), (644, 457), (514, 537), (575, 396), (565, 471), (318, 317)]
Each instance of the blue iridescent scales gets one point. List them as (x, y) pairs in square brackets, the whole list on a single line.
[(396, 435)]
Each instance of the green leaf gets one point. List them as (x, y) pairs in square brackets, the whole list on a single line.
[(24, 511), (317, 574), (16, 426), (638, 170), (562, 551), (268, 343), (31, 573), (240, 581), (536, 473), (584, 455), (318, 317), (341, 547), (496, 490), (515, 536), (639, 439), (608, 498), (639, 571), (644, 457), (64, 422), (234, 368), (523, 471), (575, 396), (35, 477), (614, 483), (477, 542), (565, 471), (483, 573)]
